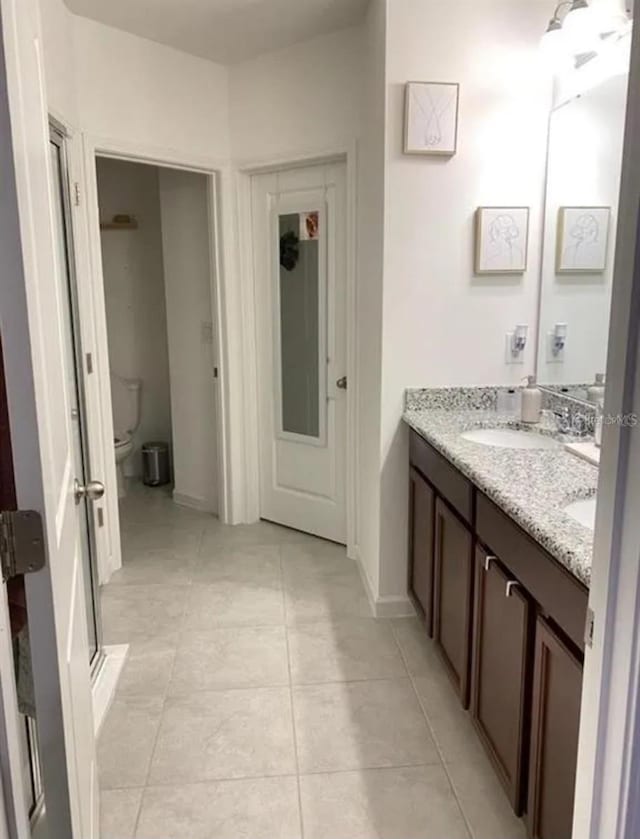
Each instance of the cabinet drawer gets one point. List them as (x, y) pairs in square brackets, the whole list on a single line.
[(559, 594), (446, 479)]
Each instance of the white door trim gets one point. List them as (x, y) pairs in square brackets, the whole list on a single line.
[(608, 777), (218, 180), (248, 326)]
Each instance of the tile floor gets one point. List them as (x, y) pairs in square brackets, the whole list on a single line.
[(260, 700)]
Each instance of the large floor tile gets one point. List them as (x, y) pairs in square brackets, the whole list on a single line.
[(126, 741), (406, 803), (264, 808), (141, 613), (235, 657), (418, 650), (312, 551), (250, 564), (344, 651), (260, 533), (324, 589), (147, 669), (223, 735), (119, 813), (360, 725), (450, 724), (181, 540), (229, 603), (484, 802), (157, 567)]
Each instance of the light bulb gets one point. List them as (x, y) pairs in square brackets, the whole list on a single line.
[(581, 28), (554, 46)]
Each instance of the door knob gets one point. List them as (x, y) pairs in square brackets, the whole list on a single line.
[(342, 383), (94, 490)]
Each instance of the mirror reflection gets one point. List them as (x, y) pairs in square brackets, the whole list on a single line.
[(586, 135)]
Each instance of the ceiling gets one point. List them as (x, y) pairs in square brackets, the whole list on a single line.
[(226, 31)]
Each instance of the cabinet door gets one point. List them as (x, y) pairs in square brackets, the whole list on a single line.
[(453, 589), (421, 521), (501, 671), (557, 688)]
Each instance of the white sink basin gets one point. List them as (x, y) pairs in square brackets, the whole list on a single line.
[(583, 511), (510, 438)]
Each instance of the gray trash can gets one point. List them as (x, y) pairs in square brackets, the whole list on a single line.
[(155, 464)]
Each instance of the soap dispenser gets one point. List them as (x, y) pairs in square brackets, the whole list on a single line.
[(531, 403), (595, 392)]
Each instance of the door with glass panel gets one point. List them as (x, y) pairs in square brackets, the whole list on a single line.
[(87, 491), (299, 227)]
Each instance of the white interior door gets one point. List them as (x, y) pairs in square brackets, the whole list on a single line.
[(299, 220), (33, 297)]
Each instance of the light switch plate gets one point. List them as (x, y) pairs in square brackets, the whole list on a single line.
[(510, 358), (554, 358)]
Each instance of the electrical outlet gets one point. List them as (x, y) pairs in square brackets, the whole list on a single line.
[(510, 356), (552, 356)]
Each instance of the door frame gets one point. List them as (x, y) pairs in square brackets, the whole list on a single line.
[(607, 802), (217, 174), (244, 173)]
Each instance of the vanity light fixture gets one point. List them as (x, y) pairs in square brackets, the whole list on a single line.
[(578, 29)]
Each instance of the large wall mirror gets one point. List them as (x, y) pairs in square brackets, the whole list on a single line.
[(586, 135)]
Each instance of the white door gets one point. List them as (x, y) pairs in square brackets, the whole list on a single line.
[(33, 297), (299, 220)]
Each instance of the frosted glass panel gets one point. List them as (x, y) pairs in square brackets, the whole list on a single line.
[(299, 323)]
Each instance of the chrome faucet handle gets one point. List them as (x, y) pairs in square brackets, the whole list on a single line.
[(563, 420)]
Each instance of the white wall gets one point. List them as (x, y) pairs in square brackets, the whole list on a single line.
[(59, 64), (135, 297), (370, 251), (305, 97), (442, 325), (185, 241), (140, 92)]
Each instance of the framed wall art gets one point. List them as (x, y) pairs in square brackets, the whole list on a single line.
[(501, 240), (431, 118), (582, 240)]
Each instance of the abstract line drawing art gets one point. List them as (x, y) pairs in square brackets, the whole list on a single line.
[(583, 239), (501, 240), (431, 118)]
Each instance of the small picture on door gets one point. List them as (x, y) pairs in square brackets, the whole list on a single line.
[(309, 226)]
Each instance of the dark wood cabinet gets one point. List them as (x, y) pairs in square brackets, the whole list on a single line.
[(508, 620), (501, 673), (557, 689), (421, 526), (453, 592)]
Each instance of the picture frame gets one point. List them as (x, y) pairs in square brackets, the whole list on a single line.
[(501, 243), (431, 118), (582, 240)]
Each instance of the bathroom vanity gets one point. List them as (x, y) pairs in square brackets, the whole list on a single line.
[(499, 571)]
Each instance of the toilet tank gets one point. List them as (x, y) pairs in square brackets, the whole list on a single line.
[(126, 401)]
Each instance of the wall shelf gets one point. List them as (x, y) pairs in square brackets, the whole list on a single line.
[(119, 225)]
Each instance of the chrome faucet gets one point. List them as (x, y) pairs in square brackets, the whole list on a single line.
[(568, 422)]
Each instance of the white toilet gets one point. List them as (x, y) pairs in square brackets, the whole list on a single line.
[(126, 397)]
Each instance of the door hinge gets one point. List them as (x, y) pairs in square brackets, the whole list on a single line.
[(22, 548), (76, 193), (589, 628)]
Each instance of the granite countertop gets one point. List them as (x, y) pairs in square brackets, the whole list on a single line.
[(531, 485)]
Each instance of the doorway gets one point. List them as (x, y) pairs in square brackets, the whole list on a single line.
[(155, 248), (300, 273)]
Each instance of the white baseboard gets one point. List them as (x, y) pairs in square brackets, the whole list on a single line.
[(192, 501), (385, 607), (106, 681)]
